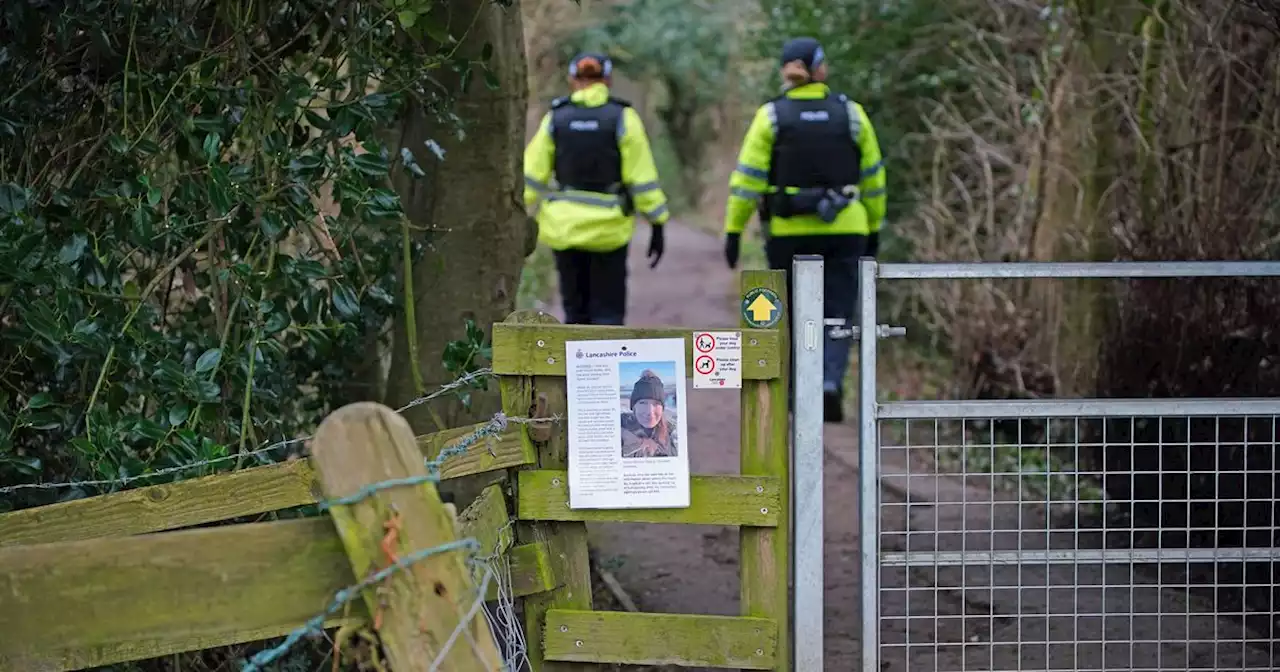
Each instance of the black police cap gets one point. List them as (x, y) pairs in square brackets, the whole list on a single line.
[(606, 65), (804, 49)]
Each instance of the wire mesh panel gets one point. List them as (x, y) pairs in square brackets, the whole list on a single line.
[(1045, 536), (1131, 534)]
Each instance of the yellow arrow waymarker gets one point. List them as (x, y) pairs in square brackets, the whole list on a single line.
[(762, 308)]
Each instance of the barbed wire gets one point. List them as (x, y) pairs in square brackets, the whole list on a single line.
[(316, 624), (448, 387), (169, 471), (492, 567), (496, 425)]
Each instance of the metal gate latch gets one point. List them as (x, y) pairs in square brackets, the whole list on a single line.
[(840, 332)]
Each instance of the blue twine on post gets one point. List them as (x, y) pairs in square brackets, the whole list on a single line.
[(316, 624), (495, 426), (375, 487)]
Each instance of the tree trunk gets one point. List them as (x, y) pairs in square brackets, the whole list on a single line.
[(688, 134), (467, 211)]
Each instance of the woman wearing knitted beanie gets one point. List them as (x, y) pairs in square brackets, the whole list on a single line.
[(646, 432)]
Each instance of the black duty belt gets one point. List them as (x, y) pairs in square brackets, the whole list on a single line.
[(825, 202)]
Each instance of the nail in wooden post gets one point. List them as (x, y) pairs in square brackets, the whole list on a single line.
[(421, 605)]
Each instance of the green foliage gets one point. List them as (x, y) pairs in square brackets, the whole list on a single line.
[(171, 289), (537, 279), (668, 40), (681, 193), (684, 47), (465, 356)]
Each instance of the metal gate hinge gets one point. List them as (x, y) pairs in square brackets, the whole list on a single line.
[(840, 332)]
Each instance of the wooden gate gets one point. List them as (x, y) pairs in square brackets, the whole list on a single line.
[(117, 577), (529, 352)]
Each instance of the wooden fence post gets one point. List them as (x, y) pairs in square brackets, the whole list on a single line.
[(765, 551), (430, 604), (566, 541)]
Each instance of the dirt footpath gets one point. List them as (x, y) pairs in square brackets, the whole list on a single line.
[(681, 568), (694, 568), (1046, 617)]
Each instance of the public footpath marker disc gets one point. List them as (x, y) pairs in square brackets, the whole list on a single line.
[(761, 308), (717, 360)]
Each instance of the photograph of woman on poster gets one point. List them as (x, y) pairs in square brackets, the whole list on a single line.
[(648, 406)]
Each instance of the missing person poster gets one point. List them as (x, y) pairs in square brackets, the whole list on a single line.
[(628, 435)]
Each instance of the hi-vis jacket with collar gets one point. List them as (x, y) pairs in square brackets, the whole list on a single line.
[(591, 220), (750, 180)]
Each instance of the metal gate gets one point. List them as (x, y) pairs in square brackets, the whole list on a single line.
[(961, 573)]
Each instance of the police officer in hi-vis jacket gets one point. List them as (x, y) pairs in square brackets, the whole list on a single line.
[(811, 165), (588, 170)]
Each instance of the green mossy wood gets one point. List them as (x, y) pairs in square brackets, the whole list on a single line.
[(755, 501), (661, 639), (364, 444), (766, 427), (566, 541), (714, 500), (168, 593), (225, 496), (538, 349), (77, 591)]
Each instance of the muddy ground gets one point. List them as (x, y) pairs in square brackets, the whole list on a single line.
[(960, 618)]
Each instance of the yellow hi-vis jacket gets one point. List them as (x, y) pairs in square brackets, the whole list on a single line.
[(750, 180), (591, 221)]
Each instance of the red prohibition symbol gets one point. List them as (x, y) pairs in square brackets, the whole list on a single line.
[(704, 364), (704, 342)]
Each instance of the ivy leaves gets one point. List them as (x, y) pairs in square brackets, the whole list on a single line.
[(465, 356), (193, 239), (208, 360)]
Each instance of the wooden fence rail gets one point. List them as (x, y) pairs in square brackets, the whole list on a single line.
[(117, 577), (73, 604), (238, 494)]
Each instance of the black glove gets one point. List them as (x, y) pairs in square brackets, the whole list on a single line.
[(873, 244), (732, 246), (657, 244)]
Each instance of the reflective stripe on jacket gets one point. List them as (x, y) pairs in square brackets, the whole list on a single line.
[(750, 180), (589, 220)]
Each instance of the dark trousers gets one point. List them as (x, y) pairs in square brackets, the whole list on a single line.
[(839, 288), (593, 285)]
